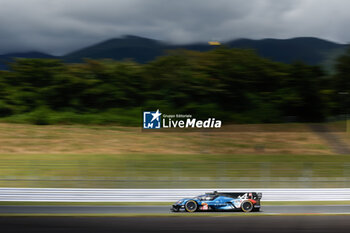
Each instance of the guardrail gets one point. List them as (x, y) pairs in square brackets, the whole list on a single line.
[(161, 195)]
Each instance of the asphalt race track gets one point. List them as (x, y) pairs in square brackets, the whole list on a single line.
[(163, 222), (323, 209), (264, 223)]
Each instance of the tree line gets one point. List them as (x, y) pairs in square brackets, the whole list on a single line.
[(235, 85)]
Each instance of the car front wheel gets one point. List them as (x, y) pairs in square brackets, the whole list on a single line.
[(191, 206)]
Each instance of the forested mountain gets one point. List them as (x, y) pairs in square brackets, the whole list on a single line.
[(312, 51), (128, 47)]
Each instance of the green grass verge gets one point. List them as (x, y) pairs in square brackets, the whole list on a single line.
[(166, 170), (155, 165)]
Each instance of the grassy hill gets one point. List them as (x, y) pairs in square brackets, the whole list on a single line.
[(293, 138), (125, 157)]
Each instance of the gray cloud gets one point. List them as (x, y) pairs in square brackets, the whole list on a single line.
[(61, 26)]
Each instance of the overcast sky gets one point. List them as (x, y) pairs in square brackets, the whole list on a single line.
[(60, 26)]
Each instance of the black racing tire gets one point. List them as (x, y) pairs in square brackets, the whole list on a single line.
[(247, 206), (256, 209), (191, 206)]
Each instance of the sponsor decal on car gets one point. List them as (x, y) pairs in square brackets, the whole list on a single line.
[(205, 206)]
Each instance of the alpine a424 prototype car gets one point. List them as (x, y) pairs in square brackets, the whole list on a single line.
[(218, 201)]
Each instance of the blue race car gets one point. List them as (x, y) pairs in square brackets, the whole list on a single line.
[(218, 201)]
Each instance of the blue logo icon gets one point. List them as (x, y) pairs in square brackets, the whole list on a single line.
[(151, 120)]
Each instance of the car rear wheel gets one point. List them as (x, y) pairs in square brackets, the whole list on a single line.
[(191, 206), (247, 206)]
